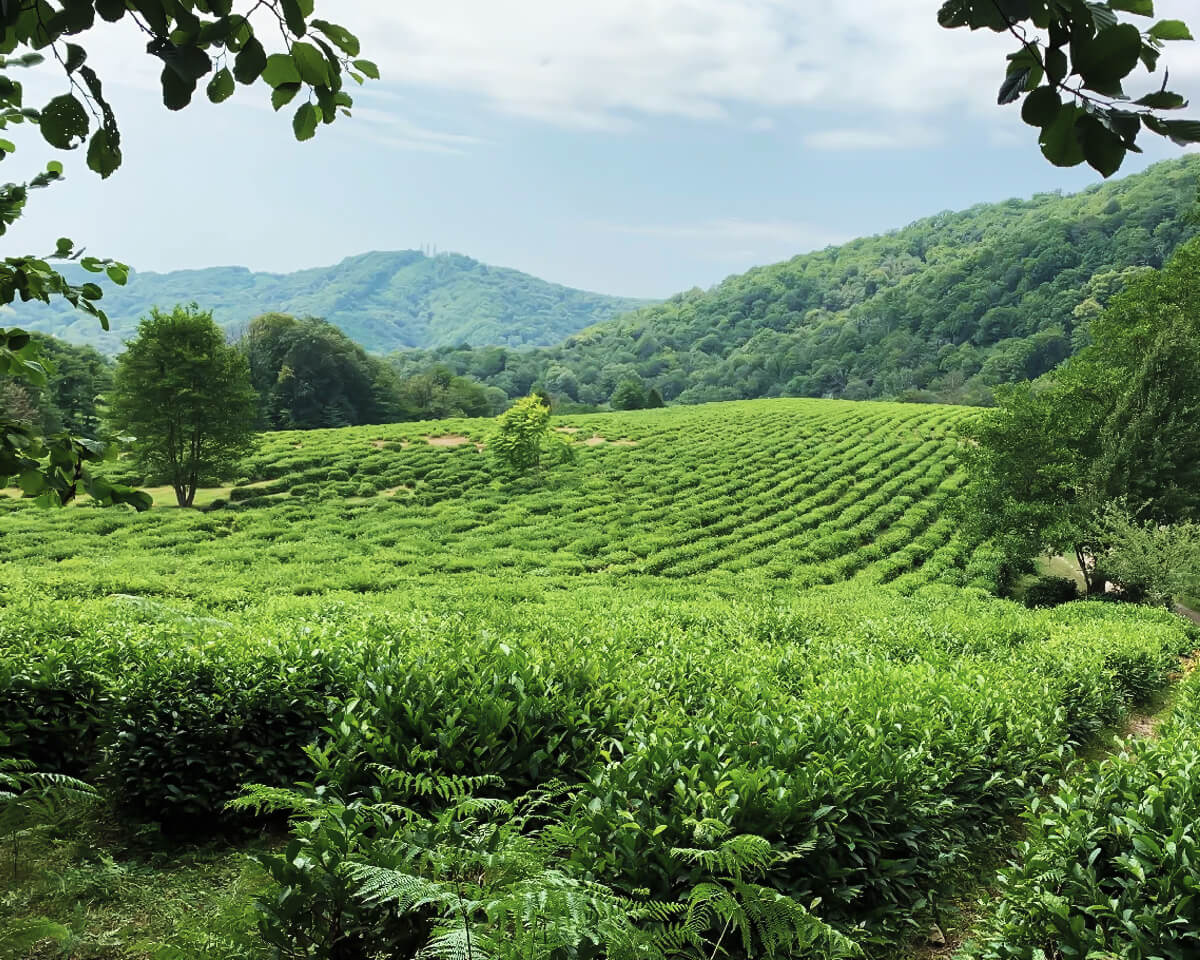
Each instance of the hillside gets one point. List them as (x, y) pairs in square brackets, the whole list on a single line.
[(384, 301), (749, 611), (946, 308), (805, 491)]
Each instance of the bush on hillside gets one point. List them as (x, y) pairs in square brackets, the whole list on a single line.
[(1050, 592)]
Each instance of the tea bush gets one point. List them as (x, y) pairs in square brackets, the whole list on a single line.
[(1111, 863), (757, 616)]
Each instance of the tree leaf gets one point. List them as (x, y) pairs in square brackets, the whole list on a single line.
[(1060, 145), (1141, 8), (304, 124), (64, 122), (342, 37), (1162, 100), (1171, 30), (103, 156), (283, 94), (1108, 57), (248, 65), (1103, 148), (367, 68), (221, 86), (177, 90), (280, 69), (311, 63), (1041, 107)]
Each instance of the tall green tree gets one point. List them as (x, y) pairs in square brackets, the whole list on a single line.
[(185, 395), (279, 42), (1120, 421)]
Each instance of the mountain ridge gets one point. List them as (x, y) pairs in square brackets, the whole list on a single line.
[(384, 300), (946, 308)]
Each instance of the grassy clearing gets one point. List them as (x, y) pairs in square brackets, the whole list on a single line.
[(113, 892)]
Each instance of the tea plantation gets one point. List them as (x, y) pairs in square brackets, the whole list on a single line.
[(753, 618)]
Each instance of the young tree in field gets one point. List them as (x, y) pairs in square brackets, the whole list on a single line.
[(297, 55), (523, 440), (185, 395)]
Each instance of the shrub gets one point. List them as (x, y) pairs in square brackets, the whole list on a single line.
[(1050, 592), (365, 489), (305, 491), (337, 475), (1111, 863)]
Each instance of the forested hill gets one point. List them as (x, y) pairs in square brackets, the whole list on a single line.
[(385, 301), (946, 308)]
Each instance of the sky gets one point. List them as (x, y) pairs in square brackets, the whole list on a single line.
[(633, 147)]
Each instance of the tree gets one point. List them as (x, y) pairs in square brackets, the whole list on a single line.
[(523, 439), (309, 374), (1071, 77), (193, 39), (654, 400), (186, 397), (1151, 562), (630, 394), (1119, 421)]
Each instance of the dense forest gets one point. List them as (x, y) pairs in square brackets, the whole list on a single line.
[(384, 301), (947, 308)]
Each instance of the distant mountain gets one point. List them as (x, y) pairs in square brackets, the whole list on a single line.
[(947, 308), (385, 301)]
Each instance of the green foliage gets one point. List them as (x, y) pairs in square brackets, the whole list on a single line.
[(1111, 862), (489, 877), (522, 435), (630, 394), (1150, 562), (308, 374), (1051, 592), (186, 397), (52, 468), (1072, 78), (1117, 421), (384, 300), (182, 36), (31, 800), (948, 308)]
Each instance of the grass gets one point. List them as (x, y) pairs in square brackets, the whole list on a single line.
[(128, 896)]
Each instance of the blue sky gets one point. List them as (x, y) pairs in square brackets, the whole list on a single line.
[(635, 147)]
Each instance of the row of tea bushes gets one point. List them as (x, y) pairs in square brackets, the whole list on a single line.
[(1110, 866), (802, 491), (882, 736)]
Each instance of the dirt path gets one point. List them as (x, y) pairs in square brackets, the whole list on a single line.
[(1187, 612)]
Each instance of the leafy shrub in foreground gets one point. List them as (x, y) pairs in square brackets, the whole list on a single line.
[(423, 865), (1111, 863)]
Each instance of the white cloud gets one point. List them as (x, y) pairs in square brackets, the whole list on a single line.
[(854, 138), (613, 64), (601, 63)]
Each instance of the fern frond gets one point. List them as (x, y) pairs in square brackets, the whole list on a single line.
[(404, 890), (453, 944), (743, 855)]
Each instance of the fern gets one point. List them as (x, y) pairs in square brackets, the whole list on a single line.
[(31, 799)]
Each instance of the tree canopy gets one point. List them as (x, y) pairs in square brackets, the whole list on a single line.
[(1118, 423), (186, 397)]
